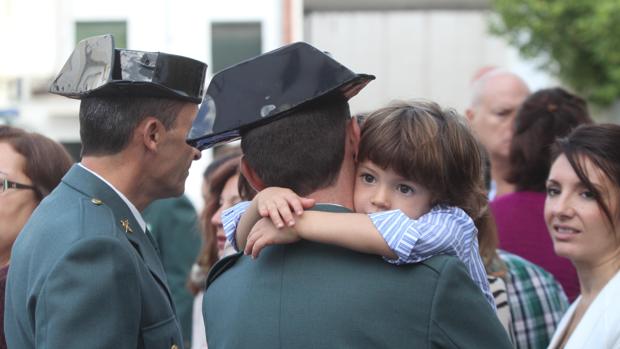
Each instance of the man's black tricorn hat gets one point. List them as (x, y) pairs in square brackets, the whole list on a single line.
[(97, 68), (267, 87)]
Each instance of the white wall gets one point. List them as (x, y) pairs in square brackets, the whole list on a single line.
[(40, 33), (427, 54), (415, 54), (38, 36)]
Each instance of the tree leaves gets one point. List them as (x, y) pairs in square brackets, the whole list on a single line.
[(578, 41)]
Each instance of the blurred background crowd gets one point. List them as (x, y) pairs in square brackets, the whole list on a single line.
[(506, 66), (416, 48)]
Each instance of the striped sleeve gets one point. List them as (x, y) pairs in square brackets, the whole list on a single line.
[(230, 221), (443, 230)]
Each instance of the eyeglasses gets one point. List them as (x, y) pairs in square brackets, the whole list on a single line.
[(6, 185)]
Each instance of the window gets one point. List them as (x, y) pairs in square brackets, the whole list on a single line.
[(233, 42), (118, 29)]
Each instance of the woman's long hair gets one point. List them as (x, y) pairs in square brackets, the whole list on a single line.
[(216, 175)]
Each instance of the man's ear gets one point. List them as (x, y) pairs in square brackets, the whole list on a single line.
[(151, 132), (251, 176), (353, 136)]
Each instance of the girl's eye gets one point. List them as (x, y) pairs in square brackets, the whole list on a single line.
[(367, 178), (552, 191), (405, 189)]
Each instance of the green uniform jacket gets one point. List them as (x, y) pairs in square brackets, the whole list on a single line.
[(174, 226), (84, 275), (308, 295)]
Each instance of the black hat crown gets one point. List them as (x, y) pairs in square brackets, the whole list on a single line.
[(267, 87), (97, 68)]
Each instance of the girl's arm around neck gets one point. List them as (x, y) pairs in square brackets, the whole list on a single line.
[(247, 221), (354, 231), (281, 205)]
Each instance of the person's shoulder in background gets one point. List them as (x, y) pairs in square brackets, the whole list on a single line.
[(537, 301)]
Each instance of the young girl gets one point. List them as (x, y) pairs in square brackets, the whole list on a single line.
[(419, 180)]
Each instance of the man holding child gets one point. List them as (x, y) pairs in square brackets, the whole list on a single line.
[(297, 133)]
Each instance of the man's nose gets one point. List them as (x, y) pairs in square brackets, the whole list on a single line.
[(197, 154)]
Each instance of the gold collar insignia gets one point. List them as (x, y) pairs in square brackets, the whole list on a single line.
[(125, 225)]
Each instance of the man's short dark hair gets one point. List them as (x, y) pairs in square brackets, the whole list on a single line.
[(106, 123), (302, 151)]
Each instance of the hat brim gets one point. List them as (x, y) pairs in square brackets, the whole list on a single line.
[(139, 89), (348, 89)]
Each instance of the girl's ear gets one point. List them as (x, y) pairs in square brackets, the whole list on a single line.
[(251, 176)]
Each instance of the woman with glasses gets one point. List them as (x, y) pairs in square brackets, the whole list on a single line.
[(31, 165)]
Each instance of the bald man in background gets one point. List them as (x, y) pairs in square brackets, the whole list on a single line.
[(496, 96)]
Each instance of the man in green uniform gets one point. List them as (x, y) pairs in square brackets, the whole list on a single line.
[(174, 225), (85, 272), (296, 132)]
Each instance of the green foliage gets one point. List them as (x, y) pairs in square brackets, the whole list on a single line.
[(578, 41)]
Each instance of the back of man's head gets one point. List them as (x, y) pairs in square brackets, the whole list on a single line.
[(487, 83), (302, 151), (107, 123)]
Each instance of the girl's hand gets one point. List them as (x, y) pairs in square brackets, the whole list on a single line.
[(278, 204), (265, 233)]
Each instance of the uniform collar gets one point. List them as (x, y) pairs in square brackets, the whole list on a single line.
[(100, 193), (132, 207), (327, 207)]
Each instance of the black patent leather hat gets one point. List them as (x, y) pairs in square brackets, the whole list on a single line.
[(267, 87), (97, 68)]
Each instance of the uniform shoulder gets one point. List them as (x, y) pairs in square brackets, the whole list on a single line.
[(440, 262), (65, 217), (94, 217), (221, 266), (436, 264)]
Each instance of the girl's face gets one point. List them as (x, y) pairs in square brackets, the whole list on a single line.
[(228, 198), (16, 205), (579, 228), (378, 190)]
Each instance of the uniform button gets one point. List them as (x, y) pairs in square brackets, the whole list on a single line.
[(174, 346), (96, 201)]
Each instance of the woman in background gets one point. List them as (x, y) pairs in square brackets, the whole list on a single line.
[(529, 300), (223, 187), (544, 116), (582, 212), (31, 166)]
